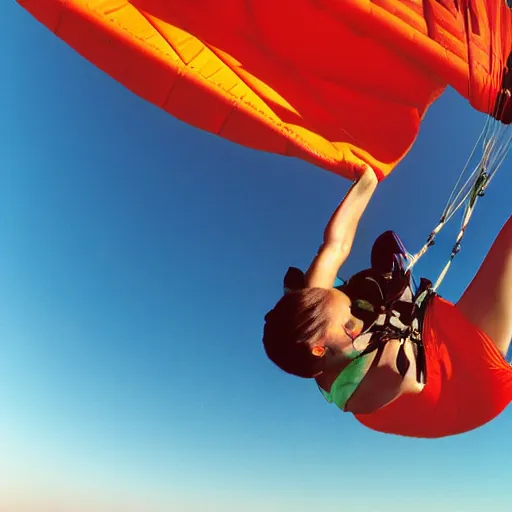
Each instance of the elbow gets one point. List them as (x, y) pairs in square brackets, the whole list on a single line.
[(336, 243), (339, 250), (343, 250)]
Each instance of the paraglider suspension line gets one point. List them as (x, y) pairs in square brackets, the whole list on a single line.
[(496, 139)]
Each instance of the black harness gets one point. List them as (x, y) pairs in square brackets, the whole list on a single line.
[(383, 298)]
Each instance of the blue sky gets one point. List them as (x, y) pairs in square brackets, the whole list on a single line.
[(138, 257)]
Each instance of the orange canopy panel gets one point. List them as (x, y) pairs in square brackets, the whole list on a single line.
[(335, 82)]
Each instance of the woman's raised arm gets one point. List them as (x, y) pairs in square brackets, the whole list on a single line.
[(340, 232)]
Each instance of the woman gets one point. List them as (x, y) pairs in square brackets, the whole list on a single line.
[(403, 361)]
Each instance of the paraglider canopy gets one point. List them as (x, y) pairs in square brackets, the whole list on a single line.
[(335, 83)]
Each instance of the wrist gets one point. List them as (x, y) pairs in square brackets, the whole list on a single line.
[(367, 179)]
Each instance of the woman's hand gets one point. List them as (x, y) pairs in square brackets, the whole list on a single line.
[(361, 170)]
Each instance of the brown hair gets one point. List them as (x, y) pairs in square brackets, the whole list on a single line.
[(298, 318)]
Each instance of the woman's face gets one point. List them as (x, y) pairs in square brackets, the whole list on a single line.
[(344, 326)]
